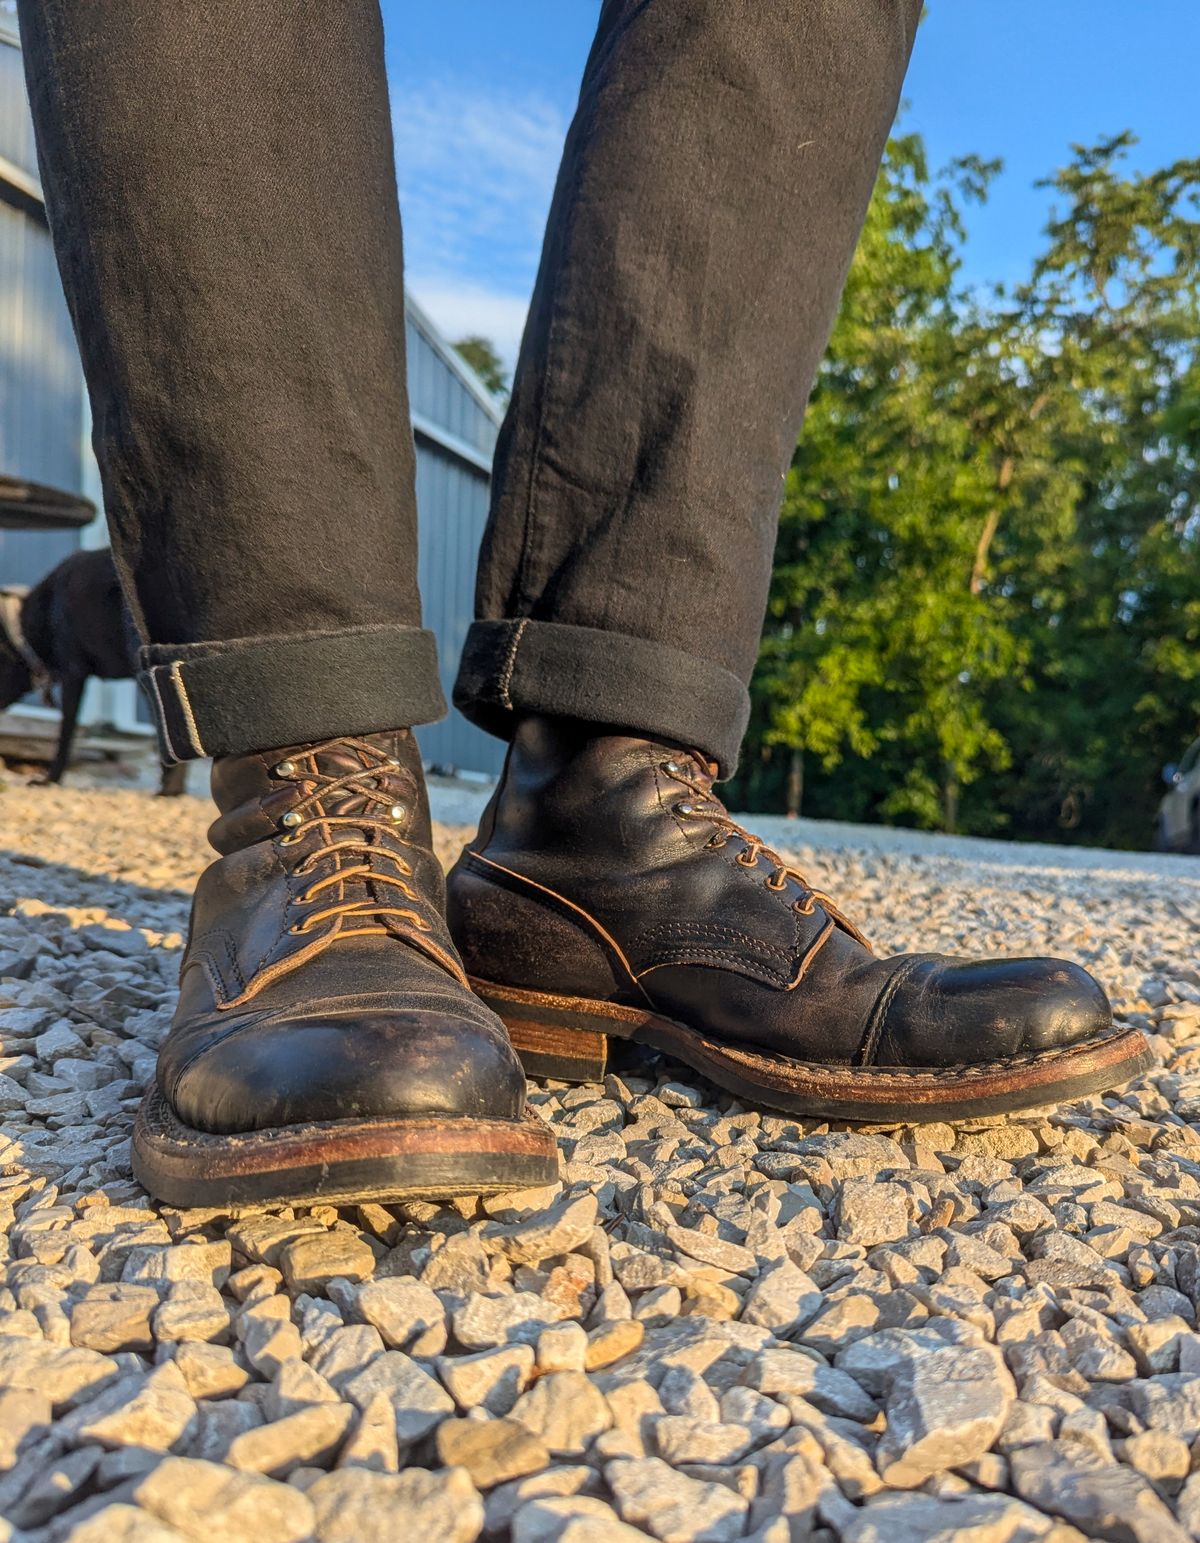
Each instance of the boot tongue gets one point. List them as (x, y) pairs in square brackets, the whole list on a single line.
[(398, 778), (361, 796), (253, 798)]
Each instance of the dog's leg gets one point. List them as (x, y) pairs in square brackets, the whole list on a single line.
[(72, 695), (174, 779)]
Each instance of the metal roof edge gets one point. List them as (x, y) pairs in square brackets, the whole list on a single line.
[(19, 188), (453, 360), (425, 428)]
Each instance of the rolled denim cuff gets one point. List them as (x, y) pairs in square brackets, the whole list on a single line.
[(247, 694), (609, 678)]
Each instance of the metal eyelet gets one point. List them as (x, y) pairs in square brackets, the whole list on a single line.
[(673, 767), (685, 808), (290, 841), (285, 769), (297, 929), (291, 819), (747, 861), (776, 886), (398, 812)]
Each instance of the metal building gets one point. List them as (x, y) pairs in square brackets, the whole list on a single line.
[(41, 388), (44, 432), (455, 420)]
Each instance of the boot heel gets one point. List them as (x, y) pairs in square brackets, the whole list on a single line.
[(563, 1038), (562, 1055)]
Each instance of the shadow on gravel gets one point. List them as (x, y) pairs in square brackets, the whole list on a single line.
[(32, 886)]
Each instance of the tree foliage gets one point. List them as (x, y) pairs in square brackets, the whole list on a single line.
[(985, 612), (480, 353)]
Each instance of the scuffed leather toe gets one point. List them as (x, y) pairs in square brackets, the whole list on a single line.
[(945, 1012), (354, 1059), (380, 1033)]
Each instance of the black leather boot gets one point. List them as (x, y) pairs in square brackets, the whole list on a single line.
[(327, 1044), (609, 895)]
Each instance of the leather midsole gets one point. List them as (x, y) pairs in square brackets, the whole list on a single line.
[(1123, 1051)]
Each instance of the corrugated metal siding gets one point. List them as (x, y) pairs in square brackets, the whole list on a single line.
[(452, 506), (452, 502), (41, 387), (437, 393), (16, 126)]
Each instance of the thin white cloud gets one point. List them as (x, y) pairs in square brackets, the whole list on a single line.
[(476, 172), (466, 309)]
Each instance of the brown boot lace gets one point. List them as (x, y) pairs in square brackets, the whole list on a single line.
[(708, 806), (374, 843), (360, 846)]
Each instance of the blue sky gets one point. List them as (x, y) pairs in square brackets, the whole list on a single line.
[(483, 90)]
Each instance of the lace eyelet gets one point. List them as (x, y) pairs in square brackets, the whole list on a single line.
[(776, 886), (804, 907), (746, 860), (297, 929), (290, 841)]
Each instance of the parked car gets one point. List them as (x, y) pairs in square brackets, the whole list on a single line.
[(1179, 812)]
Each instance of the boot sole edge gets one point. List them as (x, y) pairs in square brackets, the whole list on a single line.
[(341, 1162), (566, 1038)]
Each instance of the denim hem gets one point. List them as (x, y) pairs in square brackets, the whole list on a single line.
[(521, 666), (263, 693)]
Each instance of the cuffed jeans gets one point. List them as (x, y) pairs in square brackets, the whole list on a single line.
[(220, 185)]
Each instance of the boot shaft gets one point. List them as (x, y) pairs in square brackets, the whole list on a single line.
[(592, 796)]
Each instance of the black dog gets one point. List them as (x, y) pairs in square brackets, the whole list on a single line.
[(71, 625)]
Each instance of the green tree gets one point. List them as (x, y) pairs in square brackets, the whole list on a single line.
[(480, 353), (984, 611), (879, 644), (1109, 612)]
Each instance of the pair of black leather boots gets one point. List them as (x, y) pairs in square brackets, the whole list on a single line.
[(350, 1027)]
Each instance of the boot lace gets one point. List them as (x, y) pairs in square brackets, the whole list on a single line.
[(367, 852), (704, 805)]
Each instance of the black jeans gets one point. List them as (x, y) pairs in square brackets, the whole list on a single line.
[(220, 185)]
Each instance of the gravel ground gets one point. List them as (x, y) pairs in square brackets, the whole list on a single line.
[(721, 1325)]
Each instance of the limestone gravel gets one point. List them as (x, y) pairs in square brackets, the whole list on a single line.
[(720, 1323)]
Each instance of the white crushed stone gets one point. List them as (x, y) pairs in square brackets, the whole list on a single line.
[(720, 1324)]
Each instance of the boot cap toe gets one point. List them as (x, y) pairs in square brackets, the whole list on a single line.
[(350, 1061), (947, 1012)]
